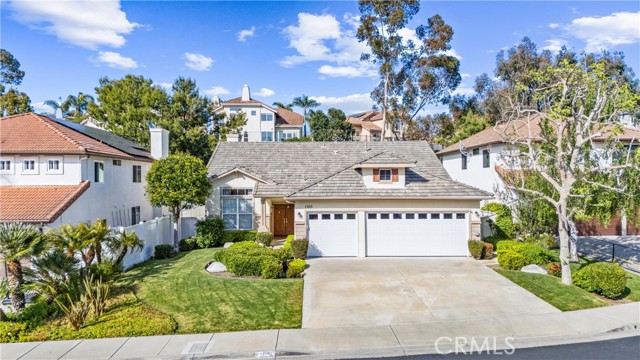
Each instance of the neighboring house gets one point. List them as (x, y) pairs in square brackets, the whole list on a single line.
[(477, 161), (347, 198), (55, 172), (264, 123), (369, 127)]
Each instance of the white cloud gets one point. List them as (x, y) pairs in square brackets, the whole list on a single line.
[(554, 45), (464, 75), (115, 60), (350, 104), (264, 92), (198, 62), (409, 34), (553, 26), (247, 33), (41, 108), (308, 38), (464, 89), (606, 32), (454, 53), (89, 24), (347, 71), (166, 85), (216, 91)]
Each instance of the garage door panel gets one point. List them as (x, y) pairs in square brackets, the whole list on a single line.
[(332, 234)]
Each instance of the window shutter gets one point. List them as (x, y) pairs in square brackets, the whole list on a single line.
[(376, 175), (394, 175)]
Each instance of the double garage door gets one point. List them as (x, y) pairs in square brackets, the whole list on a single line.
[(389, 234)]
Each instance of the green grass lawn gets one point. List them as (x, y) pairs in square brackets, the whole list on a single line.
[(200, 302)]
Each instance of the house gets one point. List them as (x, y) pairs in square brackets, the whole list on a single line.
[(264, 123), (477, 161), (347, 198), (369, 126), (55, 172)]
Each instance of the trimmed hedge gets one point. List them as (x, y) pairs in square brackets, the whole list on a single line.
[(287, 242), (533, 253), (476, 248), (606, 279), (296, 267), (187, 244), (248, 258), (264, 238), (511, 260), (235, 236), (271, 268), (163, 251), (300, 248), (210, 232)]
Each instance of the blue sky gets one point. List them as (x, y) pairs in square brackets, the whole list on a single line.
[(281, 49)]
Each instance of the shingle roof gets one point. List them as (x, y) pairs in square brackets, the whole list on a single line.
[(37, 134), (288, 117), (239, 100), (41, 204), (326, 168), (497, 134), (385, 158)]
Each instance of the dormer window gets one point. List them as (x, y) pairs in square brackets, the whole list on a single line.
[(385, 175)]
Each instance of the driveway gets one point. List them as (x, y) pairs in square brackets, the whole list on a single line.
[(389, 291), (626, 252)]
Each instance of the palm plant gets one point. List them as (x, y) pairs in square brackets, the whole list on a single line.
[(99, 234), (123, 243), (4, 291), (52, 274), (79, 104), (281, 105), (74, 239), (18, 242), (305, 103), (57, 105)]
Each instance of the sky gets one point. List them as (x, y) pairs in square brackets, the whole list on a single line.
[(281, 49)]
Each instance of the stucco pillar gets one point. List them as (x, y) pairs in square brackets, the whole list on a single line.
[(362, 239)]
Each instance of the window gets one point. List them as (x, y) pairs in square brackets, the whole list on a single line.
[(54, 165), (460, 216), (398, 126), (267, 136), (372, 216), (338, 216), (117, 162), (384, 216), (385, 174), (326, 217), (137, 173), (286, 135), (397, 216), (422, 216), (98, 171), (435, 216), (486, 160), (6, 167), (447, 216), (246, 136), (237, 209), (235, 109), (351, 216), (266, 117), (253, 113), (464, 161), (476, 151), (313, 216), (135, 215), (30, 166), (410, 216)]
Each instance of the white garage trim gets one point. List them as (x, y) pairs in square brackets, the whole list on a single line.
[(332, 234)]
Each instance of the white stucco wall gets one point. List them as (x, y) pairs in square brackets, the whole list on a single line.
[(476, 175), (367, 176), (69, 174), (254, 126)]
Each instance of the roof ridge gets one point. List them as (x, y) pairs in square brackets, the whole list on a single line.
[(451, 181), (46, 121), (57, 211)]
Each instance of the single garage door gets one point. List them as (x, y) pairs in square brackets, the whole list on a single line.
[(333, 234), (417, 234)]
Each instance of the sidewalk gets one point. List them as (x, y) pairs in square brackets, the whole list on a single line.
[(420, 338)]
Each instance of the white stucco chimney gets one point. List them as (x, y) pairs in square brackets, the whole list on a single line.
[(246, 94), (159, 143)]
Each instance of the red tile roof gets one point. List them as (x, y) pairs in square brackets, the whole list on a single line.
[(37, 134), (288, 117), (239, 100), (37, 204)]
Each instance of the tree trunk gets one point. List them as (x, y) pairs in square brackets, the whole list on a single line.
[(121, 256), (15, 277), (304, 124), (176, 235), (384, 106), (563, 231)]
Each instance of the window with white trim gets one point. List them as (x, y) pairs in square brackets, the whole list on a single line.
[(135, 215), (54, 165), (253, 113), (6, 166), (267, 136), (137, 173), (385, 174), (98, 172), (30, 166), (266, 117), (237, 208)]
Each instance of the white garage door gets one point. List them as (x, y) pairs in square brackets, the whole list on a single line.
[(417, 234), (333, 234)]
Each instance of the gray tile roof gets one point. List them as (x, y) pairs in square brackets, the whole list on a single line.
[(325, 169), (384, 159)]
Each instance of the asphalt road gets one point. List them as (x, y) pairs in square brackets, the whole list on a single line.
[(617, 349)]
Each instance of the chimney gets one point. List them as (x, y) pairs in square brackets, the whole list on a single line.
[(215, 100), (246, 94), (159, 142)]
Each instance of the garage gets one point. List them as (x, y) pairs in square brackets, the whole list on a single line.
[(417, 233), (333, 234)]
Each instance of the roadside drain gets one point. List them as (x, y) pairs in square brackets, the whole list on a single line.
[(195, 347)]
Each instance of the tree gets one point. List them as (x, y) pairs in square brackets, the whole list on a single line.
[(332, 126), (187, 119), (52, 274), (75, 108), (74, 240), (18, 242), (281, 105), (178, 182), (10, 73), (57, 105), (124, 243), (11, 101), (552, 129), (14, 102), (225, 126), (305, 103), (126, 106)]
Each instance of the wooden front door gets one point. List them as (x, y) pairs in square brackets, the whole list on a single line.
[(282, 220)]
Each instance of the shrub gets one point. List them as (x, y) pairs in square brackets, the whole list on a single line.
[(235, 236), (488, 250), (511, 260), (555, 270), (163, 251), (11, 331), (300, 248), (503, 225), (210, 232), (287, 242), (106, 270), (548, 241), (606, 279), (187, 244), (76, 311), (271, 268), (533, 253), (247, 258), (264, 238), (295, 268), (505, 245), (476, 248)]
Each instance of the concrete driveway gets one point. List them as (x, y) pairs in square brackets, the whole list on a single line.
[(390, 291)]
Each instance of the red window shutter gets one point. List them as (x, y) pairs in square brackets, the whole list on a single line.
[(394, 175), (376, 175)]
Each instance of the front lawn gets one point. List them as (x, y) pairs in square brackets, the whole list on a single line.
[(200, 302)]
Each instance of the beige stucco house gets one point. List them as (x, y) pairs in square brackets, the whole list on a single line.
[(369, 126)]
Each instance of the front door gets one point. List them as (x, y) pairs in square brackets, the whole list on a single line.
[(282, 220)]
